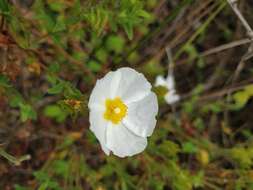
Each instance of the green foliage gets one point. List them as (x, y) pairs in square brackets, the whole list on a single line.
[(4, 7), (193, 54), (55, 112), (169, 148), (189, 147), (61, 168), (242, 97), (18, 187), (215, 107), (94, 66), (115, 43), (131, 14), (46, 182), (125, 14), (75, 41), (101, 54), (182, 179), (243, 156), (97, 18), (17, 101), (63, 87), (73, 102), (26, 112), (190, 105)]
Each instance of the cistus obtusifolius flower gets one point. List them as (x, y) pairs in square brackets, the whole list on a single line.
[(171, 96), (123, 112)]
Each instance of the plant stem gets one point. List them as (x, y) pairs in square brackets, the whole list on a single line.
[(233, 4), (12, 159)]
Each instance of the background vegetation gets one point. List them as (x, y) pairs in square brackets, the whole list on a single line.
[(52, 52)]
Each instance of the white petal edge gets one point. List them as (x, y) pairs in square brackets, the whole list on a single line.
[(141, 116), (104, 88), (98, 125), (160, 81), (171, 97), (123, 142), (133, 85)]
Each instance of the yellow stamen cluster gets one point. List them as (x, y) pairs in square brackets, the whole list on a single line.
[(75, 104), (115, 110)]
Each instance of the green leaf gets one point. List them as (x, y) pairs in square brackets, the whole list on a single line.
[(94, 66), (4, 6), (198, 180), (129, 30), (169, 148), (55, 112), (115, 43), (19, 31), (56, 89), (68, 141), (57, 6), (41, 176), (240, 98), (70, 92), (53, 68), (144, 14), (59, 25), (101, 55), (249, 90), (189, 147), (243, 156), (97, 18), (27, 112), (4, 82), (52, 79), (61, 168), (18, 187), (16, 100), (43, 186)]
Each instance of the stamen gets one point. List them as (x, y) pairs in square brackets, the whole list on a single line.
[(115, 110)]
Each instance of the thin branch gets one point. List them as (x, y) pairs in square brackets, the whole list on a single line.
[(249, 53), (12, 159), (170, 61), (225, 47), (216, 50), (234, 6)]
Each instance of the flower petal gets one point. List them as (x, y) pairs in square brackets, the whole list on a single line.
[(123, 142), (98, 125), (160, 81), (104, 88), (171, 97), (133, 85), (141, 115)]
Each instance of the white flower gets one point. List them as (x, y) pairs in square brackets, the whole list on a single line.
[(171, 96), (123, 112)]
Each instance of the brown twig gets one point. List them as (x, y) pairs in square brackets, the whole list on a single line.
[(225, 47), (249, 53), (216, 50), (234, 6)]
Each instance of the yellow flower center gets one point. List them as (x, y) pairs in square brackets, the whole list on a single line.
[(115, 110)]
